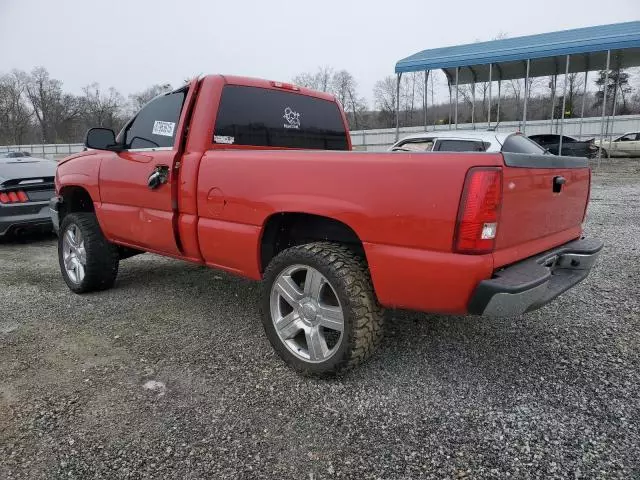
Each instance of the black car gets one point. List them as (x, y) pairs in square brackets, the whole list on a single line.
[(571, 147), (26, 186)]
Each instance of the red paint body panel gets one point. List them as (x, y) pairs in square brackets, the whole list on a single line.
[(533, 217), (424, 280), (231, 246), (403, 207)]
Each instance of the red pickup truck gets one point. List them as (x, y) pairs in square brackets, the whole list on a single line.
[(255, 177)]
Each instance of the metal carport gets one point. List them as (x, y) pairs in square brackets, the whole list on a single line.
[(555, 53)]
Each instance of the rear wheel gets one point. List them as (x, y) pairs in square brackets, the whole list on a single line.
[(88, 262), (319, 308)]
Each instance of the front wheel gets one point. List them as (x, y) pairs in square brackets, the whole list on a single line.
[(319, 309), (88, 262)]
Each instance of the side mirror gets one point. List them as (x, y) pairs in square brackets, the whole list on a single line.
[(102, 139)]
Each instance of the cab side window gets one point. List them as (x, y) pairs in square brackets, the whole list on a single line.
[(155, 125)]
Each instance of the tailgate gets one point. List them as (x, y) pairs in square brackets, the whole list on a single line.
[(536, 216)]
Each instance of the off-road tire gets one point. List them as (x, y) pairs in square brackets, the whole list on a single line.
[(349, 276), (102, 257)]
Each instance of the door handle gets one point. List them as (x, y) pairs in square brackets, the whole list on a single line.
[(159, 176), (558, 182)]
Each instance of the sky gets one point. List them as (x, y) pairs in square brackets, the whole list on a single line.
[(133, 44)]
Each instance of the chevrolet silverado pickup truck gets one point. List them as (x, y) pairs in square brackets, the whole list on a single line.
[(256, 178)]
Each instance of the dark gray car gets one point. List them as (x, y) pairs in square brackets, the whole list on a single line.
[(26, 185)]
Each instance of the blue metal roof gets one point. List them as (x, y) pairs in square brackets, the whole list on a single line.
[(587, 46)]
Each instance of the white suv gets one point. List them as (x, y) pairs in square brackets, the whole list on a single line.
[(467, 141)]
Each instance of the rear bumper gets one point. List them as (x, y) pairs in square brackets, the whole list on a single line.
[(19, 216), (534, 282)]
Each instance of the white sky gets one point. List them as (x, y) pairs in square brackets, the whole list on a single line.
[(135, 43)]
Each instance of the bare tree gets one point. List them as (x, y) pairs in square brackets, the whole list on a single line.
[(321, 80), (15, 114), (384, 94), (139, 99), (517, 89), (344, 87), (100, 109), (53, 108)]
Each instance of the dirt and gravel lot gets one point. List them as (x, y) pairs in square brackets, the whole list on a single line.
[(169, 375)]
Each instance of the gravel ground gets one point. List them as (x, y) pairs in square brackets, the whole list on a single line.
[(169, 375)]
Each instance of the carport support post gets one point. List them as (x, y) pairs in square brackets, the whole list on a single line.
[(584, 100), (526, 98), (473, 104), (604, 105), (490, 98), (499, 96), (553, 100), (399, 76), (426, 80), (456, 111), (615, 104), (564, 102)]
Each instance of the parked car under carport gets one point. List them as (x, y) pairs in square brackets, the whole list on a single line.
[(571, 146)]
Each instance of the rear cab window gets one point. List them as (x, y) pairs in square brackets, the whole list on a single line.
[(260, 117)]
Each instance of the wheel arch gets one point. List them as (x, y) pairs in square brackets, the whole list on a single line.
[(75, 198), (282, 230)]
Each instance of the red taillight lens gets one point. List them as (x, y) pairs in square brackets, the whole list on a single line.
[(479, 211), (13, 197)]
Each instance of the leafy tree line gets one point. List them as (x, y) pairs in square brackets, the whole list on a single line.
[(34, 108)]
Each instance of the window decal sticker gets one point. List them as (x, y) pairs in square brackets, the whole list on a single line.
[(163, 128), (293, 118), (223, 139)]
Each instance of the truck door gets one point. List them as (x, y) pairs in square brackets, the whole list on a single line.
[(138, 200)]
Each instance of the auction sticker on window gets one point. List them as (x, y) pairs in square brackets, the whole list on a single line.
[(163, 128)]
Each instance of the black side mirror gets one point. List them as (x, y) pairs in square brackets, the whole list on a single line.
[(102, 139)]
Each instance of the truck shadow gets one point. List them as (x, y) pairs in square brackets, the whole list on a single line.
[(473, 350)]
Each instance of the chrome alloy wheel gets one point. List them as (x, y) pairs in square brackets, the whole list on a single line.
[(306, 313), (74, 254)]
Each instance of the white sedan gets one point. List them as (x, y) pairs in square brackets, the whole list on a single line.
[(627, 145)]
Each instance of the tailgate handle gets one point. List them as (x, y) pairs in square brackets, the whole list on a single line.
[(558, 182)]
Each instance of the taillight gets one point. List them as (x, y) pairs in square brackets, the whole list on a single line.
[(479, 211), (14, 197)]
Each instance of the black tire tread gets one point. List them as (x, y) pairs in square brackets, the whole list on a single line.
[(367, 316), (103, 257)]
